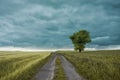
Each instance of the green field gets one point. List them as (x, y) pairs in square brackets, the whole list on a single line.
[(96, 65), (21, 65)]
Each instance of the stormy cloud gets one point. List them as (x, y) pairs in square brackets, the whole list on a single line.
[(49, 23)]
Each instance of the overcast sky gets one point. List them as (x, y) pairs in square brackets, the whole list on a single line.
[(48, 24)]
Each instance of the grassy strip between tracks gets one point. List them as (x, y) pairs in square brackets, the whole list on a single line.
[(59, 71)]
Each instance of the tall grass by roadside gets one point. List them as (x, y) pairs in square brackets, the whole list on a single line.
[(96, 65), (21, 65)]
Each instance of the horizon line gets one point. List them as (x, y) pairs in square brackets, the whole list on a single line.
[(40, 49)]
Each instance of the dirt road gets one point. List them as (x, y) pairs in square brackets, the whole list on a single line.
[(47, 72), (70, 70)]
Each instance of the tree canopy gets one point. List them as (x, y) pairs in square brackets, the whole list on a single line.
[(79, 39)]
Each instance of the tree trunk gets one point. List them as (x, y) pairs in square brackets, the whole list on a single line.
[(79, 50)]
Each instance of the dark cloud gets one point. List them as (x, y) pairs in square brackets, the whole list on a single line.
[(49, 23)]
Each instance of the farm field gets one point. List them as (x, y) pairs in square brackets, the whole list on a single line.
[(90, 65), (96, 65), (21, 65)]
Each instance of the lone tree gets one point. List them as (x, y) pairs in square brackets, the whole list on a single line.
[(79, 39)]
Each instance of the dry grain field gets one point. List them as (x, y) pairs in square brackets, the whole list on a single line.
[(20, 65)]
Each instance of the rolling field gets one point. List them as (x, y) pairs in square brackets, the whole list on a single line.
[(21, 65), (96, 65)]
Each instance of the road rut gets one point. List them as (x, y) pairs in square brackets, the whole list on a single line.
[(47, 71), (70, 70)]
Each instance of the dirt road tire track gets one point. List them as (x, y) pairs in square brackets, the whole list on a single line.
[(70, 70), (47, 71)]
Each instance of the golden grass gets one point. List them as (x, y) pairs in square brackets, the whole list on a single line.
[(20, 65)]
